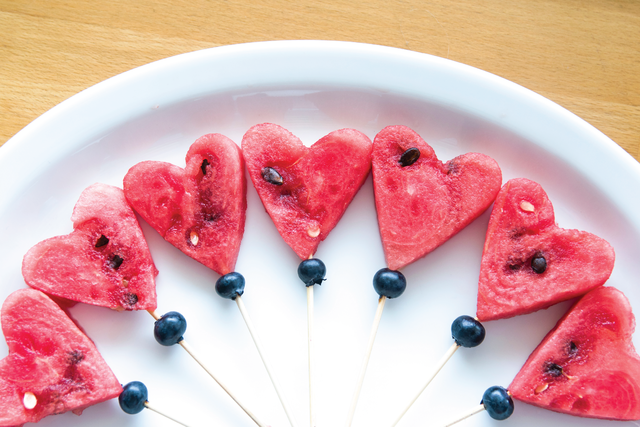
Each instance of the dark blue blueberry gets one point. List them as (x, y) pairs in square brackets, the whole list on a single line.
[(312, 271), (230, 285), (169, 329), (389, 283), (467, 331), (133, 397), (497, 402)]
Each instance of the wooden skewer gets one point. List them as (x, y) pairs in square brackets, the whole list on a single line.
[(474, 411), (310, 338), (365, 363), (191, 352), (247, 320), (148, 406), (439, 366)]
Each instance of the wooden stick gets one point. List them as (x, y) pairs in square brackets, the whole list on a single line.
[(474, 411), (256, 341), (192, 353), (148, 406), (310, 337), (363, 370), (439, 366)]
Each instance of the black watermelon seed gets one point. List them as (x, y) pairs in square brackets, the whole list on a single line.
[(75, 357), (116, 262), (204, 165), (572, 348), (409, 157), (131, 299), (272, 176), (539, 264), (553, 369), (102, 241)]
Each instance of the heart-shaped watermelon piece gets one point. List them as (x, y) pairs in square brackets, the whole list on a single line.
[(52, 366), (587, 365), (200, 209), (422, 202), (306, 190), (105, 261), (522, 233)]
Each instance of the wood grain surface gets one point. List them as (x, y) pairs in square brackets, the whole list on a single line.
[(582, 54)]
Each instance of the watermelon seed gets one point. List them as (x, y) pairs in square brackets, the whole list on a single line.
[(541, 388), (194, 238), (553, 369), (572, 348), (204, 165), (131, 299), (116, 262), (527, 207), (75, 357), (409, 157), (539, 264), (102, 241), (313, 231), (29, 400), (271, 176)]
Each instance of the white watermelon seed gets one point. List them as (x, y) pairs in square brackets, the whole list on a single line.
[(313, 231), (541, 388), (526, 206), (29, 401), (194, 238)]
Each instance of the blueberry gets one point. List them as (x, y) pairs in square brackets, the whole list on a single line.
[(133, 397), (169, 329), (467, 331), (497, 402), (389, 283), (312, 271), (230, 285)]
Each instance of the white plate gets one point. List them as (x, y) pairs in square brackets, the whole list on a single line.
[(155, 112)]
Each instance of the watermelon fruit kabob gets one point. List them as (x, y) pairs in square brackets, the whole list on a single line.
[(201, 210), (104, 261), (421, 203), (528, 262), (305, 191), (52, 366), (586, 366)]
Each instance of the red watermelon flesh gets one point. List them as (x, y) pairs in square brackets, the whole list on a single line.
[(105, 261), (318, 183), (422, 205), (587, 365), (50, 358), (200, 209), (522, 226)]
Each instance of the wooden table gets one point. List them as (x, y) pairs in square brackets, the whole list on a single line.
[(582, 54)]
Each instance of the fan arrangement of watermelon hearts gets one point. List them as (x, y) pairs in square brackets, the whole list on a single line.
[(586, 366)]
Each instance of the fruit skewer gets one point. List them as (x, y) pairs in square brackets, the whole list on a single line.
[(169, 330), (496, 401), (231, 286), (466, 332), (312, 272), (135, 397), (388, 284)]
